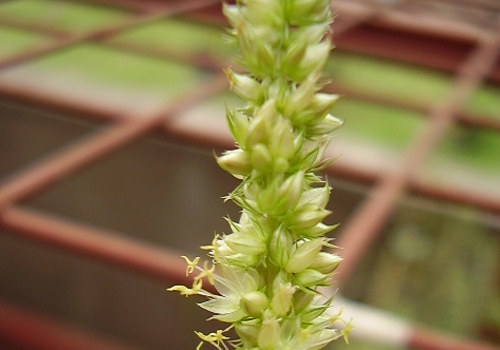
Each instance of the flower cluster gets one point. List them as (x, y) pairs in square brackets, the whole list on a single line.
[(272, 264)]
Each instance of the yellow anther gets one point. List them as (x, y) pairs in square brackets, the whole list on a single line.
[(209, 272), (191, 264), (184, 290)]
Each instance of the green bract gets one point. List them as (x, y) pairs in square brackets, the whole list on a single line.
[(269, 268)]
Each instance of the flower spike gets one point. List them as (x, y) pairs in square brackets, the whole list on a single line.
[(269, 269)]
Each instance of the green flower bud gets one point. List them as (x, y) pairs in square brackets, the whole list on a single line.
[(310, 278), (223, 249), (256, 229), (302, 299), (307, 216), (313, 158), (245, 218), (265, 12), (245, 243), (312, 313), (260, 127), (289, 327), (233, 14), (317, 231), (281, 142), (314, 33), (324, 127), (261, 158), (291, 189), (254, 303), (245, 87), (282, 298), (269, 199), (248, 57), (268, 33), (298, 9), (243, 260), (303, 117), (265, 56), (236, 227), (326, 262), (251, 191), (301, 97), (322, 103), (318, 196), (294, 55), (274, 89), (303, 256), (236, 162), (270, 332), (248, 333), (238, 125), (321, 15), (307, 157), (280, 246), (259, 226), (257, 54), (303, 12), (280, 165), (314, 59)]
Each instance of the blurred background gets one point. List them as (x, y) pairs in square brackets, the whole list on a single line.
[(110, 111)]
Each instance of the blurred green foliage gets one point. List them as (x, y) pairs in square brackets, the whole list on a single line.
[(118, 68), (16, 41), (406, 82), (477, 148), (182, 37), (438, 269), (70, 17), (390, 127), (485, 102), (386, 78)]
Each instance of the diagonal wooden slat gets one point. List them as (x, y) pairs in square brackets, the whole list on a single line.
[(106, 246), (39, 176), (46, 172), (25, 330)]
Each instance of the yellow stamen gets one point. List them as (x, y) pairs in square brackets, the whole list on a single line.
[(191, 264)]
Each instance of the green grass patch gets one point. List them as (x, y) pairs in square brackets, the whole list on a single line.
[(400, 81), (485, 102), (15, 42), (391, 127), (396, 128), (436, 267), (121, 69), (388, 78), (471, 147), (180, 36), (66, 16)]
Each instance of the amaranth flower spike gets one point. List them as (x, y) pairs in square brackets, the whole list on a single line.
[(269, 270)]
